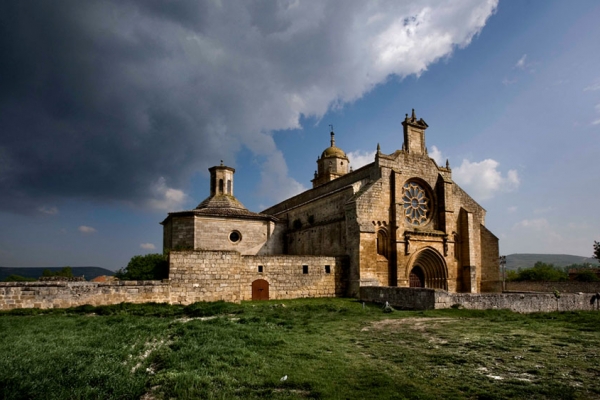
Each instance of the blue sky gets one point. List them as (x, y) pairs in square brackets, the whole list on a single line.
[(111, 113)]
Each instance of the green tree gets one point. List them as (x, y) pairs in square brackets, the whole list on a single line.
[(597, 250), (66, 272), (148, 267), (542, 272), (18, 278), (586, 276)]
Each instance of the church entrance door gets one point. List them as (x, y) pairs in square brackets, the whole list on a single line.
[(428, 270), (260, 290), (416, 278)]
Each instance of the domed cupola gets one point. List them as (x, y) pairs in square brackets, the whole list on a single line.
[(332, 164)]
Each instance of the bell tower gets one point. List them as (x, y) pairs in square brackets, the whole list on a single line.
[(414, 134), (221, 180), (332, 164)]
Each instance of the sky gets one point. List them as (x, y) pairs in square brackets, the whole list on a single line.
[(111, 112)]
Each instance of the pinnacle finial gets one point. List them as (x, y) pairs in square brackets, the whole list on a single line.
[(378, 148), (332, 138), (414, 116), (221, 163), (447, 163)]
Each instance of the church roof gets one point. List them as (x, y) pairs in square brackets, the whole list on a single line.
[(227, 206), (333, 152), (221, 201)]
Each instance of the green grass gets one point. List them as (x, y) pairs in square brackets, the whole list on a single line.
[(328, 348)]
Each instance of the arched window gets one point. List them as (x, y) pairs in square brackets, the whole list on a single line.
[(220, 186), (228, 186), (382, 243)]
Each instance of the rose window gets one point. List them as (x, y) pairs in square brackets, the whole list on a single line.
[(416, 204)]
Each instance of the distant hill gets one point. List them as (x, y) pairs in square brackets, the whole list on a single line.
[(88, 272), (516, 261)]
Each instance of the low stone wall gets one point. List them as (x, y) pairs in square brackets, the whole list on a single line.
[(227, 275), (550, 287), (71, 294), (400, 297), (428, 299)]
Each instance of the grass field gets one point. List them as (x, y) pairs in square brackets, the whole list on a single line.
[(327, 348)]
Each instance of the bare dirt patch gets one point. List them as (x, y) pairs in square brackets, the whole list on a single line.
[(417, 323)]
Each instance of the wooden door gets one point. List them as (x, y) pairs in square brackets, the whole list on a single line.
[(260, 290), (416, 278)]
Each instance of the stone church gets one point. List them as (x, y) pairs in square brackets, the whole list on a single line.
[(398, 221)]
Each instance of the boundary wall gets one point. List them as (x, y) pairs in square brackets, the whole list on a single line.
[(64, 294), (550, 287), (193, 276), (430, 299)]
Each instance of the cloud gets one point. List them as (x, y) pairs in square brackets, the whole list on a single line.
[(86, 229), (596, 122), (166, 198), (507, 81), (361, 158), (49, 210), (538, 224), (483, 180), (128, 93), (147, 246), (543, 210), (436, 154), (512, 209), (275, 179), (521, 63), (592, 87)]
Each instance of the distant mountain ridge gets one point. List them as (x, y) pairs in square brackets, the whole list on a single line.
[(527, 260), (87, 272)]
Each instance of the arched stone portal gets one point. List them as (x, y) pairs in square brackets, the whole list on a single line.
[(428, 269)]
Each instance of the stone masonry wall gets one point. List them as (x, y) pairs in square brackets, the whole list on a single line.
[(549, 287), (72, 294), (225, 275), (428, 299)]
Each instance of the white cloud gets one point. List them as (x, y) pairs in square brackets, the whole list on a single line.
[(275, 181), (592, 87), (298, 59), (50, 210), (596, 122), (507, 81), (521, 62), (436, 154), (166, 198), (361, 158), (483, 180), (86, 229), (147, 246), (538, 224), (512, 209)]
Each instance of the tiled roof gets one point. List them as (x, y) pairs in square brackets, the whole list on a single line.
[(224, 206)]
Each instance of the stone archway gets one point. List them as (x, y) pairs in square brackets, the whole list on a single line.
[(260, 290), (429, 268)]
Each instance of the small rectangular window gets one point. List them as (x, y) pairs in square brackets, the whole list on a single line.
[(260, 268), (327, 269), (305, 269)]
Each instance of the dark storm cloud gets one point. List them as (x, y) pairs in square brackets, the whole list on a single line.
[(124, 100), (83, 112)]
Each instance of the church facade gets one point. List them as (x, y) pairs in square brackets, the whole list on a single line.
[(398, 221)]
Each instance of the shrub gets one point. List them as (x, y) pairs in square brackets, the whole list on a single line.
[(148, 267), (586, 276)]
